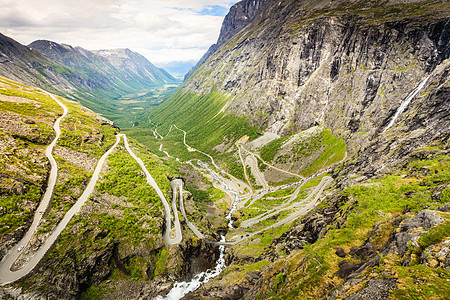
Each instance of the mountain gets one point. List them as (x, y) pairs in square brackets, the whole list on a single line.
[(80, 74), (358, 89), (134, 66), (311, 145), (240, 15), (28, 66), (343, 66), (178, 68), (108, 67)]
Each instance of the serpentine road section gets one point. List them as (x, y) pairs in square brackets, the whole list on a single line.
[(177, 188), (326, 181), (191, 149), (168, 219), (8, 276)]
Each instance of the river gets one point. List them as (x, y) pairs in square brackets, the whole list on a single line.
[(180, 289)]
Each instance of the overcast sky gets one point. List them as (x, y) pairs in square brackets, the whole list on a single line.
[(161, 30)]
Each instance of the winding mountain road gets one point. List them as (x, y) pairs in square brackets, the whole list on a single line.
[(6, 274), (168, 216), (191, 149), (270, 166), (258, 174), (326, 181), (286, 206), (177, 188)]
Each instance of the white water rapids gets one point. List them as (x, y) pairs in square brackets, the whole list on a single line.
[(182, 288)]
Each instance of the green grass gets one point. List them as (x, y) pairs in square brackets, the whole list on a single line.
[(133, 221), (310, 273), (421, 283), (126, 179), (269, 151), (434, 235), (198, 115), (93, 293), (328, 148), (161, 262), (13, 213)]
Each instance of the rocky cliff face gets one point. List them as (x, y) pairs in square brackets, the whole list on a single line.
[(347, 66), (240, 15)]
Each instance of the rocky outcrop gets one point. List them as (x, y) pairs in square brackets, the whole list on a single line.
[(310, 228), (403, 242), (239, 16)]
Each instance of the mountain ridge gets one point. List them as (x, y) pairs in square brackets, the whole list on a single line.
[(315, 140), (239, 16), (80, 74)]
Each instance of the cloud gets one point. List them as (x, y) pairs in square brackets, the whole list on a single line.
[(161, 30)]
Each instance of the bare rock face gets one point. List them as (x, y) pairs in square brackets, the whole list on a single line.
[(328, 72), (240, 15), (376, 289), (408, 232), (298, 64)]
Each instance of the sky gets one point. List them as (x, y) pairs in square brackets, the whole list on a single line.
[(164, 31)]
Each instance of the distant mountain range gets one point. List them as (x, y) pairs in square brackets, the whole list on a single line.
[(178, 68), (83, 75)]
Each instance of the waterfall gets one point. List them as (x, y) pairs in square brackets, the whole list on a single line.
[(182, 288), (406, 102)]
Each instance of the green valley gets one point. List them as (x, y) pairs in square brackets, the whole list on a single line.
[(305, 156)]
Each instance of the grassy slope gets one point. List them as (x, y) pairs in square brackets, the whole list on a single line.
[(133, 221), (199, 116), (324, 146), (310, 273)]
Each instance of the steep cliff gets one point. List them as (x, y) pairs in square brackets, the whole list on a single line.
[(373, 73), (345, 65), (240, 15)]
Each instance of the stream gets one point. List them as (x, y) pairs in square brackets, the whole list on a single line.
[(180, 289), (227, 188)]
